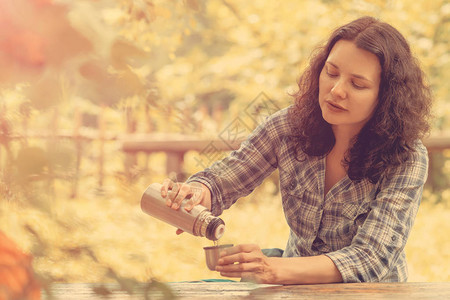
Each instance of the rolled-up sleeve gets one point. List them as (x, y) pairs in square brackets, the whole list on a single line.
[(379, 243), (243, 170)]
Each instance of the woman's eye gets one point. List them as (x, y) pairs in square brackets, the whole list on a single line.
[(331, 74), (358, 86)]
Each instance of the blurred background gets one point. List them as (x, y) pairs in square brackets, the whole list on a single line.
[(88, 86)]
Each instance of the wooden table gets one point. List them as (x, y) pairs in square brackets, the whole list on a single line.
[(241, 290)]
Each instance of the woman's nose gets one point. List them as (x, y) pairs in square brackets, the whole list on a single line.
[(338, 90)]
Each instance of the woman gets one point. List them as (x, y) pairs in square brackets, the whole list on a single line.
[(351, 164)]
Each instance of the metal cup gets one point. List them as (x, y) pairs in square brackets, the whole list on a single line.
[(212, 255)]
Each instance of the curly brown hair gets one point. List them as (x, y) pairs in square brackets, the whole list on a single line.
[(400, 118)]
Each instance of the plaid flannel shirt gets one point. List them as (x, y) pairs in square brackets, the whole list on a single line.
[(362, 227)]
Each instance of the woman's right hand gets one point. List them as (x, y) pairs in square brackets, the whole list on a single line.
[(176, 192)]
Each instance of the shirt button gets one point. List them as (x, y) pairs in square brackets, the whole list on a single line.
[(292, 185), (393, 238)]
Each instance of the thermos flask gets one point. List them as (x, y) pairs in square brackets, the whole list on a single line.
[(199, 221)]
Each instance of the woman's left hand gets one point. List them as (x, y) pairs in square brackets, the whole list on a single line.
[(247, 262)]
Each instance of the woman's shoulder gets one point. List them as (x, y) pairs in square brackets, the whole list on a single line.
[(419, 152), (415, 166), (279, 122), (272, 131)]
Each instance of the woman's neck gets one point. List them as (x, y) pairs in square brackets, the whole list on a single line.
[(344, 136)]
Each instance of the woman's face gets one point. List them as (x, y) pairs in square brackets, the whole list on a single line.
[(348, 86)]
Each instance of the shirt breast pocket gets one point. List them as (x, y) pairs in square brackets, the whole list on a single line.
[(301, 211), (353, 217)]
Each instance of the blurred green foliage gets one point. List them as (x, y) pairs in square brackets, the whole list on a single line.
[(183, 66)]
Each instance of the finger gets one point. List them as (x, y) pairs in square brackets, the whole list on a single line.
[(240, 268), (237, 258), (173, 190), (183, 192), (195, 196), (189, 205), (246, 248), (172, 193), (166, 186)]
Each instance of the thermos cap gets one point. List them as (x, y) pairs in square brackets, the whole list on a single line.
[(215, 229)]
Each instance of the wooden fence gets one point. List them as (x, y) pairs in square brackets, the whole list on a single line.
[(175, 146)]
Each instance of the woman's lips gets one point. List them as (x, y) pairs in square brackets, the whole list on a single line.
[(335, 107)]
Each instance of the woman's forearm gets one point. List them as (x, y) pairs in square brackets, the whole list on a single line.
[(305, 270)]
